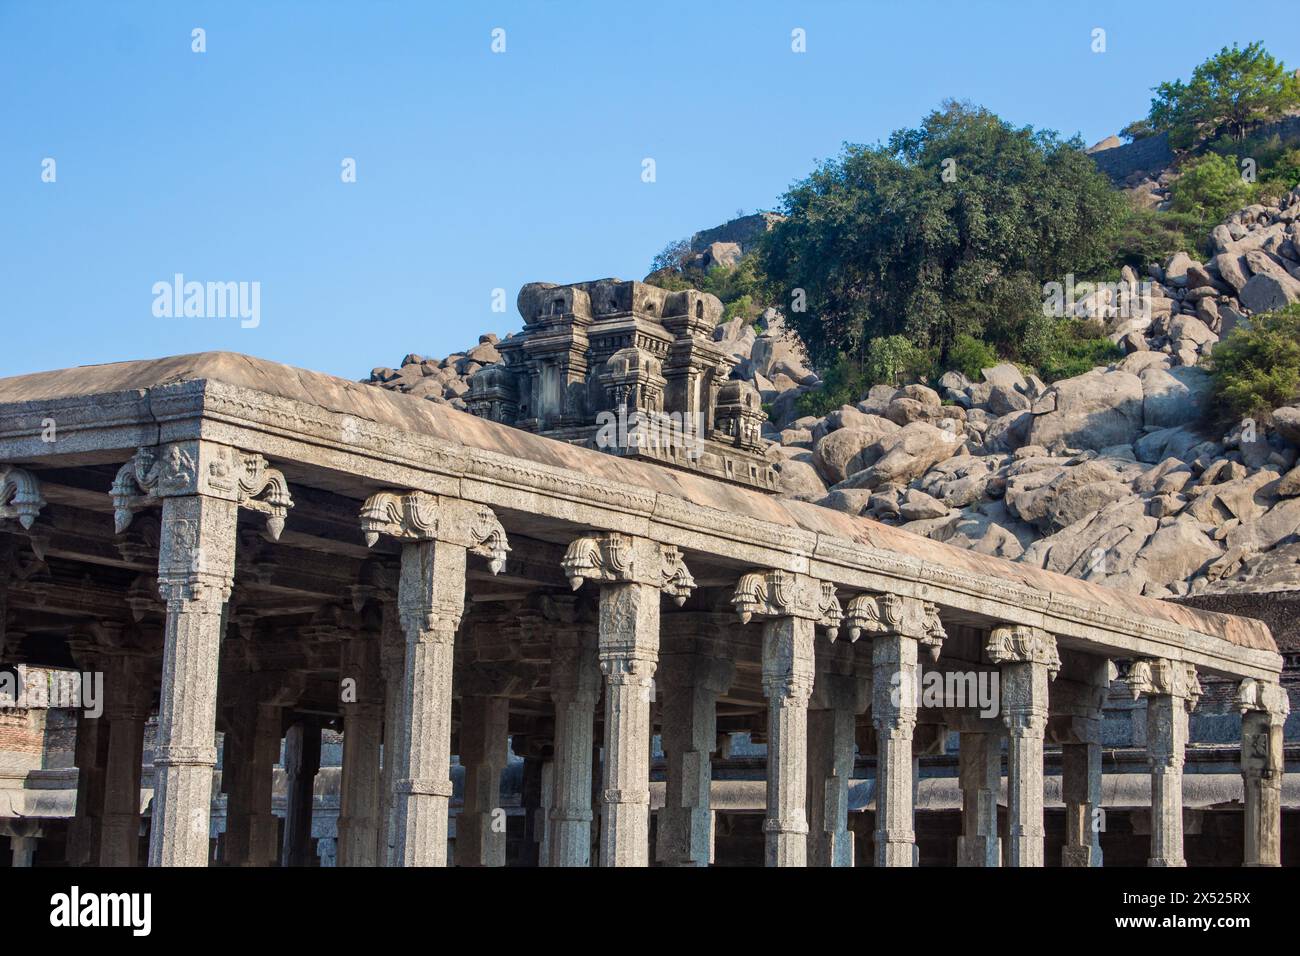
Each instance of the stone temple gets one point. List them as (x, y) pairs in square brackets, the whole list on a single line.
[(642, 358), (346, 626)]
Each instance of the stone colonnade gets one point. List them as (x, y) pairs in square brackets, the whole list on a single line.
[(395, 811)]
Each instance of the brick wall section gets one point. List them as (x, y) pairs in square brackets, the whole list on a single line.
[(22, 738)]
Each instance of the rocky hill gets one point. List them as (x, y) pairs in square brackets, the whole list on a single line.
[(1119, 475)]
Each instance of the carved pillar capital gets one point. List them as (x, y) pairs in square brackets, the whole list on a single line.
[(200, 468), (771, 594), (616, 558), (1264, 697), (436, 533), (879, 614), (1021, 644), (416, 516), (1160, 677)]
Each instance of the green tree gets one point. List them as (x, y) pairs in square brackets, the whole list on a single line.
[(1210, 187), (970, 356), (948, 229), (1256, 367), (1228, 94)]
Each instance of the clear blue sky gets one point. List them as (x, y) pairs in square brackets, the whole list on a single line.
[(475, 170)]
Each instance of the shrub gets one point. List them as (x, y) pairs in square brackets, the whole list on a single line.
[(970, 356), (1210, 187), (1064, 348), (1280, 176), (1147, 236), (1257, 366), (893, 359), (843, 384)]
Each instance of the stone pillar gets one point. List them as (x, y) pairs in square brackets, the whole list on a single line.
[(201, 485), (85, 829), (690, 683), (360, 803), (1171, 689), (790, 606), (838, 697), (898, 625), (392, 657), (979, 771), (1029, 661), (484, 753), (327, 851), (1264, 708), (575, 688), (432, 585), (196, 565), (628, 654), (436, 534), (1081, 791), (1080, 740), (632, 573), (252, 748), (543, 826), (24, 851), (531, 800), (129, 691), (301, 763)]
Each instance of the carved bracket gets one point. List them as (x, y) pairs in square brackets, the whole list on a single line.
[(777, 593), (1022, 644), (20, 496), (1161, 677), (895, 614), (613, 558), (419, 516), (169, 470), (1264, 696)]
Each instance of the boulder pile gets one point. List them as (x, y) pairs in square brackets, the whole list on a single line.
[(1117, 476)]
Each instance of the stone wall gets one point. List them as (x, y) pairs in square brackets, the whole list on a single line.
[(744, 231), (1152, 154)]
